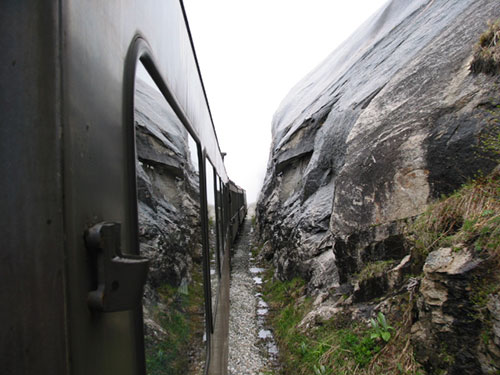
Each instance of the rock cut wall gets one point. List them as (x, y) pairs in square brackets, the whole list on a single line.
[(388, 122)]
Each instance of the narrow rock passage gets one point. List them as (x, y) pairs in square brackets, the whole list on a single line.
[(245, 357)]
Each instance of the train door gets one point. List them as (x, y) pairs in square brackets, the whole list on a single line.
[(105, 273)]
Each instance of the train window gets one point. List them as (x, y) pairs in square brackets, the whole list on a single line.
[(219, 221), (170, 234), (212, 236)]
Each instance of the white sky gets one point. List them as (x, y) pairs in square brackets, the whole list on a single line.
[(251, 53)]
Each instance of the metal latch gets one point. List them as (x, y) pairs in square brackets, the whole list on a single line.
[(120, 278)]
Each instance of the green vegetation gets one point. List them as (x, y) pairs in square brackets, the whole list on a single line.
[(256, 249), (337, 346), (487, 51), (254, 221), (381, 329), (181, 317), (468, 218), (374, 269)]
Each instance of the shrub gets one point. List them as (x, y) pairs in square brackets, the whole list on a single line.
[(487, 51)]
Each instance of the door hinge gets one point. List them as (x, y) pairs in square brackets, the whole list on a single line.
[(120, 278)]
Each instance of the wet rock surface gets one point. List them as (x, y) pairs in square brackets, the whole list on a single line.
[(389, 121), (251, 348)]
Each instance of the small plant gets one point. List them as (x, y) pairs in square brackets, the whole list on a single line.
[(487, 51), (362, 347), (303, 348), (381, 330), (157, 362), (488, 147), (339, 345)]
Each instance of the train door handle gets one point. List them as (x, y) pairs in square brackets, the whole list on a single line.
[(120, 278)]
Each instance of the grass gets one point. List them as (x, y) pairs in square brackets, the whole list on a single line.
[(375, 269), (338, 346), (487, 51), (468, 218), (182, 320), (256, 249), (254, 221)]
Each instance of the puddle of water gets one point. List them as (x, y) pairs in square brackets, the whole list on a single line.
[(265, 334), (262, 311), (266, 337), (267, 342), (272, 348), (256, 270), (257, 280)]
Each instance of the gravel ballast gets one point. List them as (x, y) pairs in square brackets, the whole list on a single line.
[(245, 357)]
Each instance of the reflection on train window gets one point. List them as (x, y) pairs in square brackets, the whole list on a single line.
[(223, 220), (168, 193), (212, 237), (218, 222)]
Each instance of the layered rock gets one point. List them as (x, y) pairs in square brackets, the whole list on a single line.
[(168, 209), (167, 189), (388, 122), (447, 333)]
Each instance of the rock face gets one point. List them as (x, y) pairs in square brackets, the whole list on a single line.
[(447, 331), (169, 224), (389, 121), (168, 206)]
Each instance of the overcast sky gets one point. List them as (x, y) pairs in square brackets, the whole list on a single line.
[(251, 53)]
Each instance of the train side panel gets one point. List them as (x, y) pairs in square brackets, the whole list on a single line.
[(32, 275)]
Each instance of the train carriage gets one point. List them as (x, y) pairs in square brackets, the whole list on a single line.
[(71, 270)]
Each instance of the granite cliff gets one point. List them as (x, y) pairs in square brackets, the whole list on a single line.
[(389, 122)]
